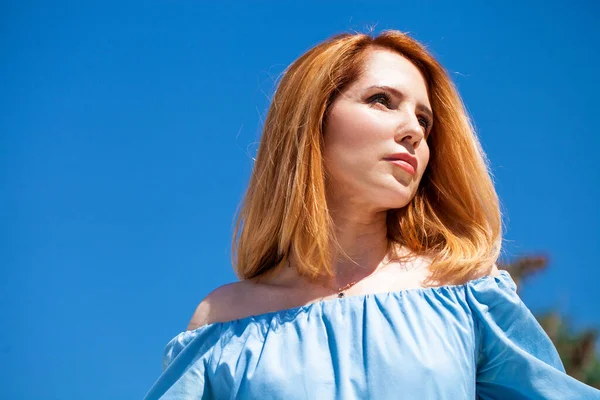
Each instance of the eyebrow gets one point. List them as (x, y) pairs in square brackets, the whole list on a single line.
[(398, 93)]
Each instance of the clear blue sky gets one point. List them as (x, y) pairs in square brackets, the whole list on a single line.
[(126, 137)]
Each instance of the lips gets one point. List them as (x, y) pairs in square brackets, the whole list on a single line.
[(412, 160)]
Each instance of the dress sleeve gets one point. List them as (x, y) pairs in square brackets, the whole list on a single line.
[(516, 359), (185, 366)]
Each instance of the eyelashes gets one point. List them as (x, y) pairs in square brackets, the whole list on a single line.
[(386, 100), (381, 96)]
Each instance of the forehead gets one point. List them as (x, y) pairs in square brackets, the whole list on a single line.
[(387, 68)]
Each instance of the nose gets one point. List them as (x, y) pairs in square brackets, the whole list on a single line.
[(410, 130)]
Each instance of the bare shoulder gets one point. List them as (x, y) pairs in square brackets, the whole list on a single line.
[(494, 271), (225, 303), (491, 271), (488, 271)]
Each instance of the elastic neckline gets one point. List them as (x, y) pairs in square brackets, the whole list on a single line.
[(503, 275)]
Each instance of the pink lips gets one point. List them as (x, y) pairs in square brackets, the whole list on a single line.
[(405, 161)]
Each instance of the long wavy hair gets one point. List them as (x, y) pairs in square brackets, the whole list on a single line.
[(454, 219)]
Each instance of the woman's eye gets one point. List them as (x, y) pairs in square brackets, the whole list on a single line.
[(425, 123), (381, 98)]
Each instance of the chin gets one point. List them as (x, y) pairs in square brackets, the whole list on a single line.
[(401, 200), (396, 202)]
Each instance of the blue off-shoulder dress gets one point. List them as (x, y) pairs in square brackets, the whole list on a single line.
[(476, 340)]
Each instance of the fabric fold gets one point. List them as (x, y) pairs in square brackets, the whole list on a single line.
[(447, 342)]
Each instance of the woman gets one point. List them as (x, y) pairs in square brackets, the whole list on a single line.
[(366, 248)]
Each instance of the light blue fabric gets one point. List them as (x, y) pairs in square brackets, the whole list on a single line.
[(448, 342)]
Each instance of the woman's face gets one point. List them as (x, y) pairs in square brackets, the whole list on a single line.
[(384, 113)]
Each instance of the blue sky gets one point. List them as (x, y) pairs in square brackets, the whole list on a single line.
[(127, 131)]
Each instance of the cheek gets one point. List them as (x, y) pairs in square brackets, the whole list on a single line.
[(353, 129), (424, 158), (345, 143), (353, 146)]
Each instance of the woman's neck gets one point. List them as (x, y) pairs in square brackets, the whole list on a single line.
[(363, 248)]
